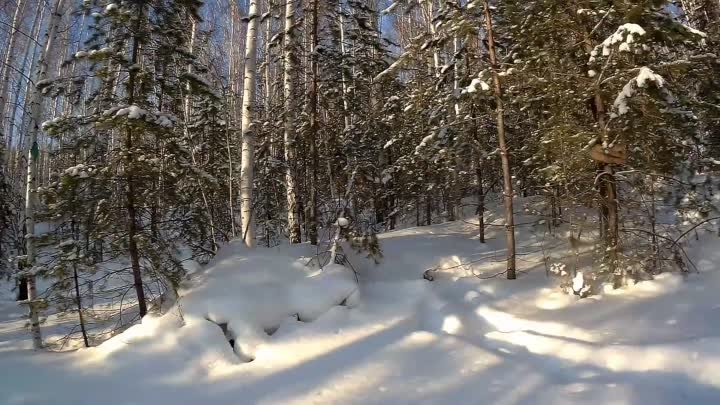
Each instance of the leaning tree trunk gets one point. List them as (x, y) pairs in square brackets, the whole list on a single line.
[(247, 165), (290, 132), (76, 282), (504, 158)]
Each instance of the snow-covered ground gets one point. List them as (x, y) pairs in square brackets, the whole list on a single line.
[(308, 337)]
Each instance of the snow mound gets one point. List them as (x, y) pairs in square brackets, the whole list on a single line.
[(246, 296)]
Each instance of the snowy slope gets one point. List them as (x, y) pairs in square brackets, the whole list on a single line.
[(465, 338)]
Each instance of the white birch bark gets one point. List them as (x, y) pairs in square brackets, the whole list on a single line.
[(5, 67), (429, 13), (28, 60), (345, 78), (36, 115), (247, 165)]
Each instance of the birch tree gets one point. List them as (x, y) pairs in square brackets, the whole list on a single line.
[(6, 67), (290, 138), (32, 154), (248, 130)]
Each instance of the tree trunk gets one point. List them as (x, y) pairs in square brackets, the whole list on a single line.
[(428, 209), (481, 201), (313, 133), (607, 188), (130, 191), (235, 114), (455, 191), (78, 301), (188, 110), (36, 115), (28, 60), (5, 67), (231, 176), (247, 165), (290, 132), (76, 280), (271, 148), (504, 158), (429, 11), (653, 226), (613, 226), (417, 211), (344, 73)]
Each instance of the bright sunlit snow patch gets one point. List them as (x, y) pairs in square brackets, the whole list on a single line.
[(451, 324)]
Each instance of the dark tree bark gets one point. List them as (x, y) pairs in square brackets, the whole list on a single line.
[(130, 178), (504, 158), (312, 139)]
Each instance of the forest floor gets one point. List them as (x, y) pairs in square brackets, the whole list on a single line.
[(307, 337)]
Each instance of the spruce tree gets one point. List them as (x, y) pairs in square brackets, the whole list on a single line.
[(146, 188)]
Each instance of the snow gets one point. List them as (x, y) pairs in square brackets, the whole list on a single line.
[(134, 112), (317, 337), (579, 286), (647, 75), (694, 31), (45, 125), (624, 38), (79, 170), (390, 8), (643, 78), (424, 143), (473, 87), (505, 73), (620, 106), (395, 66)]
